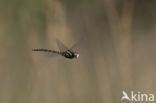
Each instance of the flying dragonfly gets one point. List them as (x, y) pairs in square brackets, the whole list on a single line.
[(64, 51)]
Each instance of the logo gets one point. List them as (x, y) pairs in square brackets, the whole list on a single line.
[(137, 97)]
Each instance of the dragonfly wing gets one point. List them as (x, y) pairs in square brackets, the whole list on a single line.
[(61, 46), (78, 43)]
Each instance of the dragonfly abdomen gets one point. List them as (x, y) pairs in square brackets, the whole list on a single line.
[(47, 50)]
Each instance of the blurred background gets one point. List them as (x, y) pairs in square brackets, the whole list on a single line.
[(118, 54)]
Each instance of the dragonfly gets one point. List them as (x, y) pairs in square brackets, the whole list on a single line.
[(66, 52)]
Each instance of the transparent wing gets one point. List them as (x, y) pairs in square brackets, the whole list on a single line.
[(61, 46), (78, 43)]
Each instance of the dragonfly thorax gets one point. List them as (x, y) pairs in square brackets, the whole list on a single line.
[(70, 54)]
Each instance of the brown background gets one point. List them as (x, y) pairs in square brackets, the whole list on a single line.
[(118, 54)]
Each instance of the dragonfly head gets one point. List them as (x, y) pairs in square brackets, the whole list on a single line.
[(76, 54)]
